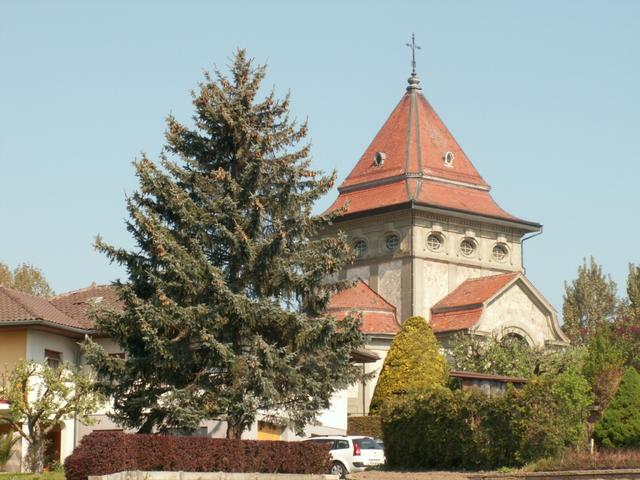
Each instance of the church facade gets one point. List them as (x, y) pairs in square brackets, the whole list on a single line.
[(431, 241)]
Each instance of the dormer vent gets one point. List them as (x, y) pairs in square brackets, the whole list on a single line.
[(379, 158), (448, 159)]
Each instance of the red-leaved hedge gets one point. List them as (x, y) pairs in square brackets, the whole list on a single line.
[(102, 453)]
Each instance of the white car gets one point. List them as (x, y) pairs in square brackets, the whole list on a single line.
[(351, 453)]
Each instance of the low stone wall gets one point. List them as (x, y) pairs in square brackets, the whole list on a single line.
[(138, 475), (620, 474)]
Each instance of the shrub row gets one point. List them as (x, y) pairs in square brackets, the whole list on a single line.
[(370, 426), (441, 428), (102, 453)]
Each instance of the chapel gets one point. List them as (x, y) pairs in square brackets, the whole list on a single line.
[(431, 241)]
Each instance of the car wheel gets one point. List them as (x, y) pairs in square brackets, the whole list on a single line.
[(337, 468)]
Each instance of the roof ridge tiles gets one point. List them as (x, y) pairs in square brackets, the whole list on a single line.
[(79, 290)]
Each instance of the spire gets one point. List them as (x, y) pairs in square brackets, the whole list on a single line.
[(414, 80), (415, 160)]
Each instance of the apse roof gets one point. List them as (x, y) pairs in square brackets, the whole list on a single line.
[(378, 315)]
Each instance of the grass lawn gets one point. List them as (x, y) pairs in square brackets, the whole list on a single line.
[(32, 476)]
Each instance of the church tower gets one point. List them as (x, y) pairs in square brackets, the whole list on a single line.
[(430, 239)]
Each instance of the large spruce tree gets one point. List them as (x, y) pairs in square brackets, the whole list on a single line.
[(222, 313)]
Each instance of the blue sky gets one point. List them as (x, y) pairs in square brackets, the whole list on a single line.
[(543, 96)]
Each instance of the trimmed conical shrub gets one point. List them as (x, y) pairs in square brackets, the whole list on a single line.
[(413, 363), (620, 422)]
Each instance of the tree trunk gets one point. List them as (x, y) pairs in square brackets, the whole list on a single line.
[(234, 429), (35, 455)]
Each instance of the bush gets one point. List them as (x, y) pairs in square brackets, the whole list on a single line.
[(102, 453), (412, 363), (440, 428), (620, 422), (371, 426)]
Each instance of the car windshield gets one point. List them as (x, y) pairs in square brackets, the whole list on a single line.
[(367, 444)]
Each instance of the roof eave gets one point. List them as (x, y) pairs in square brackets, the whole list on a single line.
[(516, 223), (44, 323)]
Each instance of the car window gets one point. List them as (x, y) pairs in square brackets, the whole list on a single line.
[(367, 444), (340, 444), (321, 441)]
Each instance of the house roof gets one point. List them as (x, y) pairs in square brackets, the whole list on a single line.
[(19, 308), (462, 308), (74, 304), (66, 311), (415, 142), (475, 291), (378, 315), (455, 320)]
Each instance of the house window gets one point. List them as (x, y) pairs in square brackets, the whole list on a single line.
[(360, 247), (434, 242), (467, 247), (52, 358), (392, 242), (500, 252)]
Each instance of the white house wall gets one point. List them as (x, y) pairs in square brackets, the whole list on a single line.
[(517, 309)]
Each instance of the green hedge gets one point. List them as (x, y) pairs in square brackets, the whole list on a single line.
[(370, 426), (441, 428)]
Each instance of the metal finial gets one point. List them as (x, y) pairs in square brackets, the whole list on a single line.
[(413, 48), (414, 81)]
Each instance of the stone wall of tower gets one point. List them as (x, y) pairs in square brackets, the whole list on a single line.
[(439, 271), (415, 277), (387, 272)]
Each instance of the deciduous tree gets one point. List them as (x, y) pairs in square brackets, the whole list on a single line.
[(40, 397), (589, 301), (25, 278), (223, 310)]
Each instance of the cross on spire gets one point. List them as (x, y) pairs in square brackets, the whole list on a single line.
[(413, 48)]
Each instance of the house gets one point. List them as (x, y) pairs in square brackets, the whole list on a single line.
[(431, 240), (51, 330), (47, 331)]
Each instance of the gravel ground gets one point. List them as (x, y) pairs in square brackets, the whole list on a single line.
[(380, 475)]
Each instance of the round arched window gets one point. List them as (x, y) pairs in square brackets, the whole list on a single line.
[(500, 252), (467, 247), (435, 242), (360, 247), (392, 242)]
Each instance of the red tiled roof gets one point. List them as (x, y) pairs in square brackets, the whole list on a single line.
[(424, 192), (75, 303), (463, 307), (378, 315), (475, 291), (360, 295), (455, 320), (18, 307), (414, 140)]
